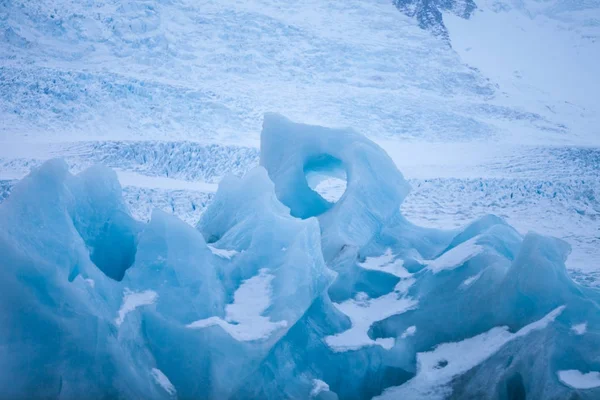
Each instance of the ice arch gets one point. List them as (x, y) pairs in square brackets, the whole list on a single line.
[(375, 188), (326, 176)]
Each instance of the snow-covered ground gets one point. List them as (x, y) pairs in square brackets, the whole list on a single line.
[(504, 119)]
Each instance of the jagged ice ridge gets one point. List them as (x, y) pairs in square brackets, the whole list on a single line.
[(280, 293)]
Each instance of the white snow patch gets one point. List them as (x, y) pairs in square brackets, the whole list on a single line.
[(557, 80), (363, 312), (456, 256), (410, 331), (469, 281), (133, 300), (223, 253), (579, 329), (90, 282), (386, 263), (163, 381), (318, 387), (243, 318), (436, 368), (403, 285), (578, 380)]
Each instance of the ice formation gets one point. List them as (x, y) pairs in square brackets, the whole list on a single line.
[(281, 293)]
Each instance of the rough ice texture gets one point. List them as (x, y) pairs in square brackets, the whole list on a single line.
[(278, 293)]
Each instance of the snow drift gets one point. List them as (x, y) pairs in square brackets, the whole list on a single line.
[(280, 293)]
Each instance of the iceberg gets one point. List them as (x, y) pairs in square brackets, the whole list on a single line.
[(281, 293), (374, 188)]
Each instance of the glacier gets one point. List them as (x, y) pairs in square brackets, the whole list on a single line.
[(278, 292)]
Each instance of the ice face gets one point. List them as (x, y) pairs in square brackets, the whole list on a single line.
[(141, 291), (375, 188), (281, 293)]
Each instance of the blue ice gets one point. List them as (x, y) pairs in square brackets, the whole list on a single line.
[(279, 292)]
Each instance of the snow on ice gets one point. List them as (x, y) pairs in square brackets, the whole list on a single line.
[(279, 292)]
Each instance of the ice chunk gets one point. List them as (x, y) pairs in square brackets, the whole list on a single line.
[(100, 305), (247, 217), (174, 261), (103, 221), (375, 188), (578, 380), (48, 232), (266, 290), (244, 320)]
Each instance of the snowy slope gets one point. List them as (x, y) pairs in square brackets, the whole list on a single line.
[(542, 54)]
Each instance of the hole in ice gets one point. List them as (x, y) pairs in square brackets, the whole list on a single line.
[(330, 188), (327, 177)]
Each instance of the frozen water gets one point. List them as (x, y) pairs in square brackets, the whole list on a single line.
[(278, 293), (171, 95), (374, 189)]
